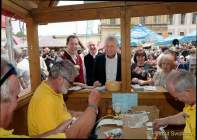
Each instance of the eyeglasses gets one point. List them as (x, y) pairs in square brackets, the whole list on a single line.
[(70, 82), (139, 54), (8, 74)]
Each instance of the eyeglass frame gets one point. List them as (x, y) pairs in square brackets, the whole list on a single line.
[(70, 82)]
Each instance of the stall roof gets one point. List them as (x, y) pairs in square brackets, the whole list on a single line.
[(41, 11)]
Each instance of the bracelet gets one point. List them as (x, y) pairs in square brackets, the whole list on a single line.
[(94, 107)]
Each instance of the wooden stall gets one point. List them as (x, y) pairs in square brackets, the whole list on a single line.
[(35, 13)]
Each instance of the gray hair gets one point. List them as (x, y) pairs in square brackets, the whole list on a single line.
[(63, 68), (5, 88), (112, 38), (182, 80)]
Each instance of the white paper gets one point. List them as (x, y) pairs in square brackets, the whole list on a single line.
[(110, 121)]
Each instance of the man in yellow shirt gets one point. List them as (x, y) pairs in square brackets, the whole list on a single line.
[(10, 88), (182, 86), (47, 108)]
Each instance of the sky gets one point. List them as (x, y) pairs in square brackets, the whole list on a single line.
[(63, 28)]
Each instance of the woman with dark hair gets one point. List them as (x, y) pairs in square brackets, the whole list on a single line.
[(139, 69)]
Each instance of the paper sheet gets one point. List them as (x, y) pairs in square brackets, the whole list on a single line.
[(126, 100)]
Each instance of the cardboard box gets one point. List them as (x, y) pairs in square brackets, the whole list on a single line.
[(128, 133), (154, 111)]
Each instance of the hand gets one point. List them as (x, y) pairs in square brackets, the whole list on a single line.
[(97, 84), (135, 80), (80, 84), (61, 128), (77, 67), (140, 82), (159, 123), (94, 97)]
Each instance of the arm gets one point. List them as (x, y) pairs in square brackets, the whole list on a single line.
[(84, 125), (144, 82), (75, 113), (177, 119), (59, 129)]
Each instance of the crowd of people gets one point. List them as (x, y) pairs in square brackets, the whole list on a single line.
[(47, 113)]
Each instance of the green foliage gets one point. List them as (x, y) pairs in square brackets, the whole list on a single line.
[(20, 34)]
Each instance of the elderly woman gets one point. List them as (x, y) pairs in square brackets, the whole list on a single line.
[(139, 69), (166, 64)]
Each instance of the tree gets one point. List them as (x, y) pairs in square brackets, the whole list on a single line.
[(20, 34)]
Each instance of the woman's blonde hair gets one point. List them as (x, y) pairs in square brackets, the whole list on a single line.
[(169, 58)]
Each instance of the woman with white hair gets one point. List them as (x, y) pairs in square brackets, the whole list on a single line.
[(166, 64)]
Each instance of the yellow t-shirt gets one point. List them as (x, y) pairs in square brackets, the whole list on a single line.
[(8, 134), (190, 127), (46, 110)]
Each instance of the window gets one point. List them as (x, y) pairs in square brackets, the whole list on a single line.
[(194, 18), (181, 33), (14, 50), (182, 18), (170, 19), (157, 20), (160, 33), (142, 20), (112, 21), (169, 33)]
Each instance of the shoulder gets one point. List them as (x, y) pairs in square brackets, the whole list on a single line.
[(100, 57)]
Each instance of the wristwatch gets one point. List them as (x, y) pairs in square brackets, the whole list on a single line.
[(94, 107)]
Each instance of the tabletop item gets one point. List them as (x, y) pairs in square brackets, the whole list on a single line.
[(149, 129), (75, 88), (113, 133), (113, 86)]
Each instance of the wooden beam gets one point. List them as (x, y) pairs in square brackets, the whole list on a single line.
[(79, 15), (162, 8), (44, 4), (26, 4), (125, 51), (17, 10), (77, 12), (78, 7), (109, 10), (34, 53)]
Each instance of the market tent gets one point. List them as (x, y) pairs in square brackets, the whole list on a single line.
[(141, 34), (189, 38), (152, 36), (168, 41)]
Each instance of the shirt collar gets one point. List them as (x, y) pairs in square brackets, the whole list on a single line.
[(191, 107), (44, 83), (115, 57)]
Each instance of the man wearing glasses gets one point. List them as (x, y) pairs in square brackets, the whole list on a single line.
[(47, 108), (10, 88), (182, 86)]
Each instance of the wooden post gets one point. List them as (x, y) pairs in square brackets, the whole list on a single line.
[(125, 50), (34, 53)]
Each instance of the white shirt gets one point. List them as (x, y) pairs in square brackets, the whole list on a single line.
[(111, 68)]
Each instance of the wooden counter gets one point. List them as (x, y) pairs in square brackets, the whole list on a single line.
[(165, 103), (79, 101)]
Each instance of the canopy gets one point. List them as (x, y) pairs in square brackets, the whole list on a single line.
[(189, 38), (151, 36), (168, 41), (141, 34)]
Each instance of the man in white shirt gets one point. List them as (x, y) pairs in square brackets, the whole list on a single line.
[(108, 65)]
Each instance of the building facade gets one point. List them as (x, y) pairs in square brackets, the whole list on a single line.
[(182, 24)]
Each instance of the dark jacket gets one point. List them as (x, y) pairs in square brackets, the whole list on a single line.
[(89, 65), (99, 69)]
